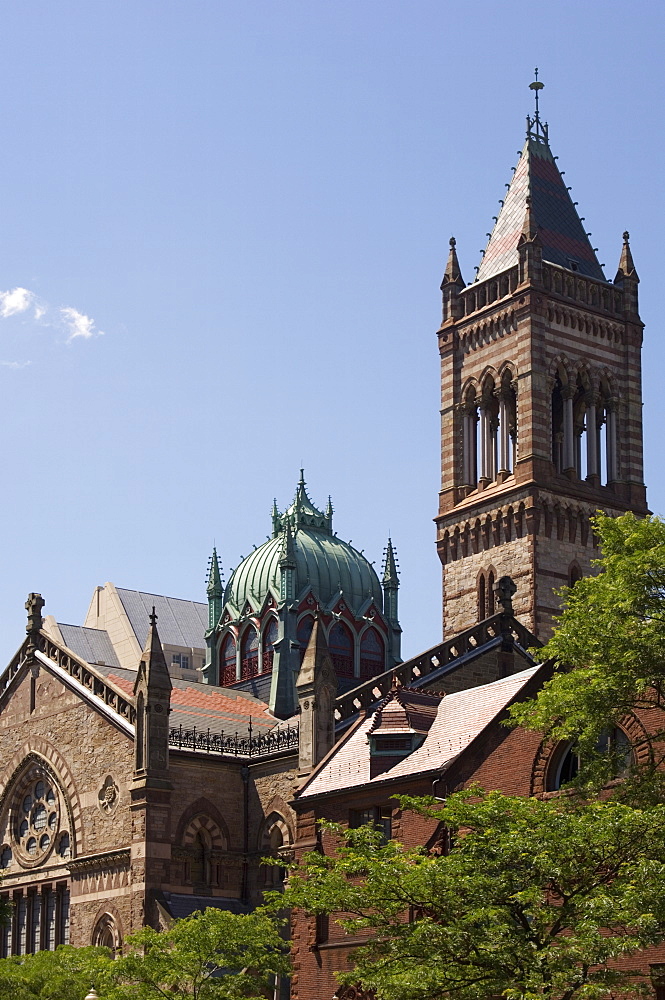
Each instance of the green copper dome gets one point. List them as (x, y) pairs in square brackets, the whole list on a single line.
[(303, 543)]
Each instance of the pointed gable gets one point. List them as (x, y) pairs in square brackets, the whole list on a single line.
[(560, 230)]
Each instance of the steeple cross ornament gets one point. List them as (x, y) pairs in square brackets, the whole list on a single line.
[(153, 617), (540, 129)]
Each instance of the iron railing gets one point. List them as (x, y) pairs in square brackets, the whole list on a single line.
[(248, 745)]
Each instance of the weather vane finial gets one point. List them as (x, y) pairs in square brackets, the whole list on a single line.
[(536, 85)]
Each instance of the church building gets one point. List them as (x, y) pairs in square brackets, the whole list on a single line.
[(152, 756)]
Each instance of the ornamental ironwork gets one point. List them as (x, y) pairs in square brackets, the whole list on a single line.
[(236, 745)]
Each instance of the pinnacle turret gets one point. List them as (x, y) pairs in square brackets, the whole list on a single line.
[(453, 272), (215, 587), (390, 574), (626, 265)]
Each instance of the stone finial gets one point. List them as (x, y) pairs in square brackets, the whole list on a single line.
[(33, 606), (505, 590), (93, 994)]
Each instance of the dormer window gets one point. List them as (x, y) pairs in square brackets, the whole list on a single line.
[(397, 745)]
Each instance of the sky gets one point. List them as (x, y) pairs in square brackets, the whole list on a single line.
[(223, 231)]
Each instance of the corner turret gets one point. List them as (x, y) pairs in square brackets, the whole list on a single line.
[(627, 278)]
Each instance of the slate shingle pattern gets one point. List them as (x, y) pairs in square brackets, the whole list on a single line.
[(560, 230)]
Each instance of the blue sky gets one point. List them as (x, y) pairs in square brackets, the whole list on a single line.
[(230, 220)]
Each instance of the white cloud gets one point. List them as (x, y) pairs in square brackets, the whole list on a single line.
[(40, 311), (15, 364), (78, 324), (15, 301)]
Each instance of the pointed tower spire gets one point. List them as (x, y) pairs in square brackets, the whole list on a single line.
[(276, 519), (390, 584), (551, 213), (626, 265), (152, 690), (316, 687), (452, 285), (215, 590), (453, 272), (627, 279)]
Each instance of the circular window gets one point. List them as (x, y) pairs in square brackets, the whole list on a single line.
[(37, 819)]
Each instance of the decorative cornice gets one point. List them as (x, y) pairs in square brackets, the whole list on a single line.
[(98, 862)]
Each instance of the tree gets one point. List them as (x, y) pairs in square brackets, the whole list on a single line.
[(214, 955), (209, 956), (612, 632), (531, 901), (64, 974)]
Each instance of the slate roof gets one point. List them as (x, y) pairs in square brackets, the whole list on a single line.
[(91, 644), (180, 623), (560, 230), (204, 706), (460, 718)]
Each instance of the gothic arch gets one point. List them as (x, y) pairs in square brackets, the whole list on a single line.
[(202, 815), (275, 820), (560, 367), (40, 752), (107, 930)]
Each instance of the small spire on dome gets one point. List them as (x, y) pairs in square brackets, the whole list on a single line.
[(390, 574), (535, 129), (214, 584)]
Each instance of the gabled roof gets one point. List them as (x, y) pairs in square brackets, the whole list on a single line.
[(181, 623), (559, 228), (460, 718)]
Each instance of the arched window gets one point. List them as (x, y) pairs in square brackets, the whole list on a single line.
[(275, 842), (249, 653), (106, 934), (565, 762), (340, 643), (574, 575), (269, 640), (227, 661), (507, 424), (490, 594), (140, 732), (372, 654), (557, 426), (482, 599), (303, 632)]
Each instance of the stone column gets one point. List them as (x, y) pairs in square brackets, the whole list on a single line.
[(568, 433), (592, 466), (485, 464), (469, 446), (611, 442)]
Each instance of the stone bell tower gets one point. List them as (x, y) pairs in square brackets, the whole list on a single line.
[(541, 404)]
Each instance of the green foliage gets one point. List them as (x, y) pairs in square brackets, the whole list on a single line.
[(208, 956), (212, 955), (531, 901), (612, 630), (64, 974)]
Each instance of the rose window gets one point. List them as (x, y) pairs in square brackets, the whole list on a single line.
[(37, 821)]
